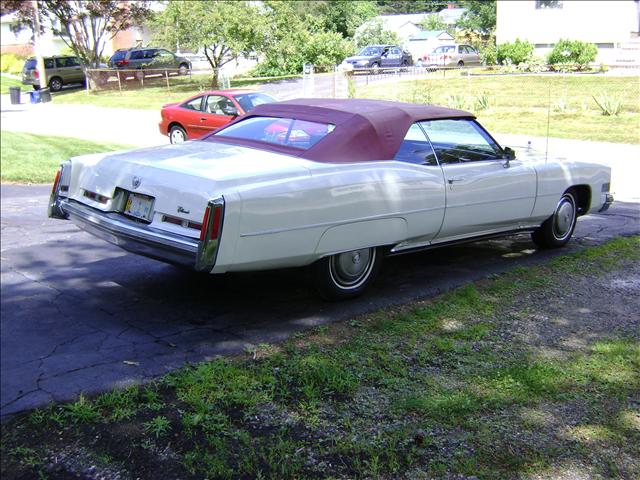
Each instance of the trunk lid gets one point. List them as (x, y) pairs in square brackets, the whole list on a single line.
[(179, 179)]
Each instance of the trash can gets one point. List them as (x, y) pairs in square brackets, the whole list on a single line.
[(34, 96), (14, 93), (45, 95)]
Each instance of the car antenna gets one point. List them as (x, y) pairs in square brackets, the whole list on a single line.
[(546, 148)]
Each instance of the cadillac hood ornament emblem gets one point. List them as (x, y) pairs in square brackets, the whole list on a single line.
[(136, 181)]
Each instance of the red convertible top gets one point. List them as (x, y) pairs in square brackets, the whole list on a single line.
[(365, 129)]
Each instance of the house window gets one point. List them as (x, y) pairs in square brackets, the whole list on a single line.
[(540, 4)]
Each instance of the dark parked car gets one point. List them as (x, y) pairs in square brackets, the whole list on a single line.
[(60, 70), (376, 57), (153, 60)]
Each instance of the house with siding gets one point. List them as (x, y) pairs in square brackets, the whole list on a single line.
[(612, 25)]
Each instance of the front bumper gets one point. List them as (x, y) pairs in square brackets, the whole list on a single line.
[(607, 203)]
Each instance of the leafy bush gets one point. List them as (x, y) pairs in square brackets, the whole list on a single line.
[(322, 49), (11, 63), (573, 52), (516, 53), (481, 102), (489, 55)]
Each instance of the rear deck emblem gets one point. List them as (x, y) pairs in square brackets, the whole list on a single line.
[(136, 181)]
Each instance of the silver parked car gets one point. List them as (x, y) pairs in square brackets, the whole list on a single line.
[(452, 56), (61, 70)]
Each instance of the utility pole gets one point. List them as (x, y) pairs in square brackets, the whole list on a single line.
[(38, 46)]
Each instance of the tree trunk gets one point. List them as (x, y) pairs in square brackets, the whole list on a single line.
[(214, 80)]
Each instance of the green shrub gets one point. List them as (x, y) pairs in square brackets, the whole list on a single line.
[(573, 52), (322, 49), (489, 55), (515, 53), (11, 63)]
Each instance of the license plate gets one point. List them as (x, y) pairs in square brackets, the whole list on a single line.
[(139, 206)]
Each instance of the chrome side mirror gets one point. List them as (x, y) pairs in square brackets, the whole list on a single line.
[(509, 154)]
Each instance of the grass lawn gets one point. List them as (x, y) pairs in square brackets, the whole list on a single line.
[(479, 381), (7, 81), (155, 94), (525, 104), (28, 158)]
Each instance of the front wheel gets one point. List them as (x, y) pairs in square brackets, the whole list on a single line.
[(55, 84), (183, 69), (557, 229), (346, 275)]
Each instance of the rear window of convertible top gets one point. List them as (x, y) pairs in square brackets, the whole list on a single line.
[(280, 131)]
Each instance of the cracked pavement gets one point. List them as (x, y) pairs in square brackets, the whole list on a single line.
[(79, 315)]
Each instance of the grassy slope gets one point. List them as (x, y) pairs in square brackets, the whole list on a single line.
[(433, 389), (519, 104), (35, 158), (6, 82)]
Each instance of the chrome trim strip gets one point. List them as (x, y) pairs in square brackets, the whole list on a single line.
[(337, 224), (398, 249), (133, 236)]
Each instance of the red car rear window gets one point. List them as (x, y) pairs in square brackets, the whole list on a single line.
[(288, 132)]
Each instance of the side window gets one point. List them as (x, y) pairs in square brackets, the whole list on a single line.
[(195, 104), (220, 105), (148, 53), (460, 141), (415, 148), (137, 55), (48, 63), (165, 53), (461, 49)]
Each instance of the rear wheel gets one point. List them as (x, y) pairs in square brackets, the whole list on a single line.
[(460, 64), (557, 229), (375, 68), (177, 134), (346, 275), (183, 69)]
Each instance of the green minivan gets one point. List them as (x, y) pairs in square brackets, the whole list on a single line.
[(61, 70)]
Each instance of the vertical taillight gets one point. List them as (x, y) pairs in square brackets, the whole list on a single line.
[(211, 222), (56, 181), (210, 234), (205, 223)]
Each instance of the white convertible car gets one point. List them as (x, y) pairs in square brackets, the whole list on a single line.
[(334, 184)]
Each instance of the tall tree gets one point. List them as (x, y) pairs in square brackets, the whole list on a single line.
[(395, 7), (341, 16), (480, 16), (223, 30), (84, 25)]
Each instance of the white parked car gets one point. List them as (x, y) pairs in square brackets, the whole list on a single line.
[(331, 184)]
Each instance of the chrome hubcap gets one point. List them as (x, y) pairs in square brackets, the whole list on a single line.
[(177, 136), (564, 218), (351, 269)]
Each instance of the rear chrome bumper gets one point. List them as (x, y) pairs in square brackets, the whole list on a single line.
[(607, 203), (132, 236)]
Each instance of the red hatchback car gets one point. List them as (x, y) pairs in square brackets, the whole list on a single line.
[(206, 112)]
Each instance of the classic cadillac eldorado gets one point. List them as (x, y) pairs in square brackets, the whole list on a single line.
[(331, 184)]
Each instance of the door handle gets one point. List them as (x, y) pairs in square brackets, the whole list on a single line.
[(202, 119), (455, 179)]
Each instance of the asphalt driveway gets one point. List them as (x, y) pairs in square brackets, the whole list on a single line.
[(80, 315)]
